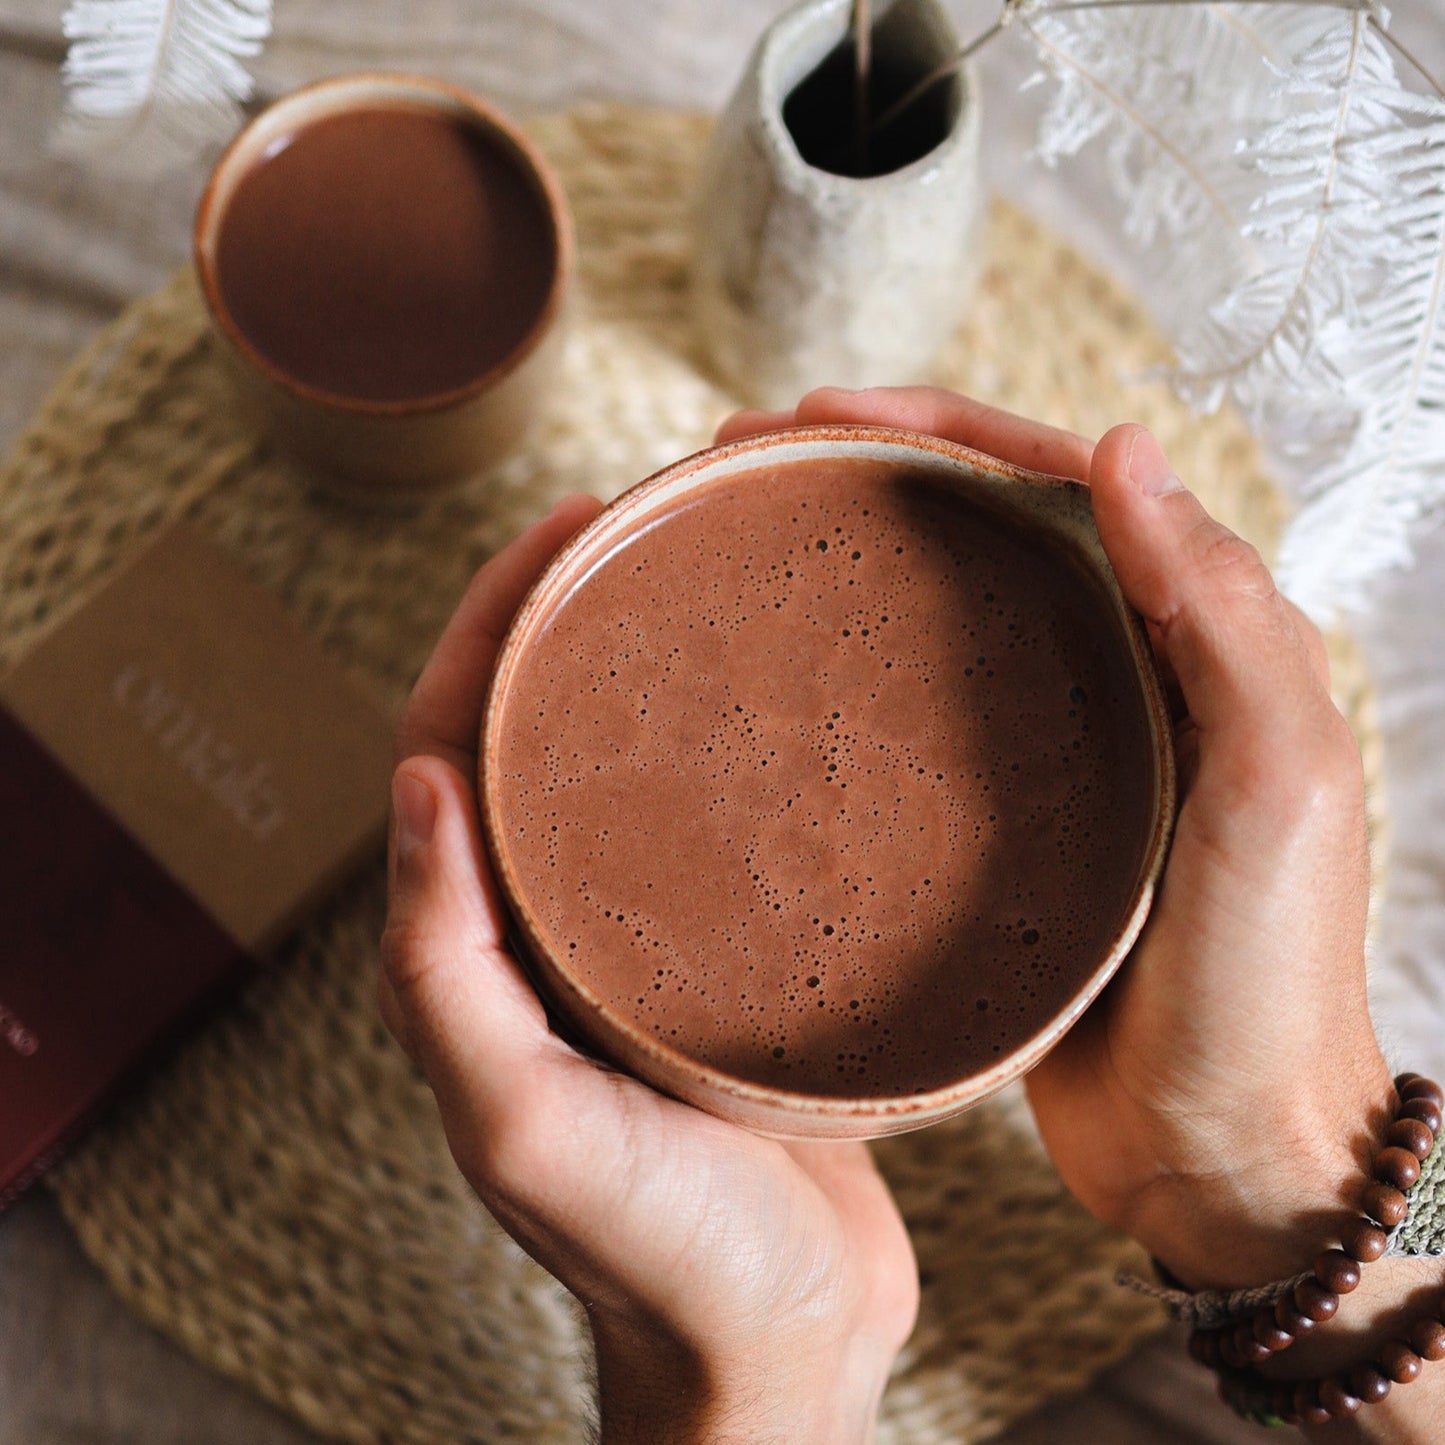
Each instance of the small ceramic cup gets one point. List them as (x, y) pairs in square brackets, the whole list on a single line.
[(804, 277), (1057, 510), (385, 451)]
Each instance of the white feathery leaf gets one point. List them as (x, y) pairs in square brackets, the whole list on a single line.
[(1288, 196), (1361, 507), (1318, 185), (152, 82), (1267, 339), (1333, 347), (1172, 91)]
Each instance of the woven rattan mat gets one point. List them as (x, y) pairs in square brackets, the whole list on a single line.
[(279, 1198)]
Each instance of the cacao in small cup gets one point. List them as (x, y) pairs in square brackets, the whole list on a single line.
[(385, 259)]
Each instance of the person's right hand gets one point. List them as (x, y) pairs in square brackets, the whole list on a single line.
[(737, 1288)]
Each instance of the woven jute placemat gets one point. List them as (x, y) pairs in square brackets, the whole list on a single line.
[(278, 1198)]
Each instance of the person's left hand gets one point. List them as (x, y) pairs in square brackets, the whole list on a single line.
[(1237, 1033), (737, 1288)]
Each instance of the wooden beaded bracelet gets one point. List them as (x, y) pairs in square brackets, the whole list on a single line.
[(1273, 1328), (1342, 1393), (1234, 1349)]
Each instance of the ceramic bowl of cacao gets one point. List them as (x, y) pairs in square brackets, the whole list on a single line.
[(828, 777)]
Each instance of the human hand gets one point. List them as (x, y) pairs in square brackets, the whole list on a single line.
[(1220, 1099), (736, 1288)]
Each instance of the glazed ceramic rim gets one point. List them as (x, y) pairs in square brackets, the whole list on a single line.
[(339, 95), (577, 1001)]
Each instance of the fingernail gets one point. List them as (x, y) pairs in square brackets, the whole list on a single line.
[(414, 806), (1149, 468)]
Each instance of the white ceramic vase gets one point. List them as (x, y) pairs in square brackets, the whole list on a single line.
[(802, 277)]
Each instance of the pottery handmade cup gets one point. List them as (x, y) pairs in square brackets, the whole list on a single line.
[(827, 777), (817, 261), (385, 260)]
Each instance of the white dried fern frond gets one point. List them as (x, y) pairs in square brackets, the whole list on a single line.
[(1315, 225), (1362, 506), (1287, 194), (152, 82), (1333, 348), (1171, 91)]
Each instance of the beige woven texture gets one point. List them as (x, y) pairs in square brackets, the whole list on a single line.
[(279, 1197)]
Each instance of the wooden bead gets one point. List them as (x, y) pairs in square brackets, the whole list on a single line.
[(1427, 1339), (1337, 1271), (1268, 1332), (1336, 1398), (1247, 1347), (1397, 1167), (1418, 1088), (1425, 1110), (1384, 1203), (1364, 1240), (1369, 1383), (1288, 1317), (1411, 1134), (1400, 1362), (1314, 1301), (1307, 1404)]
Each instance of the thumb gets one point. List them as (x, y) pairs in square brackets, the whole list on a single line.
[(1248, 677), (449, 990)]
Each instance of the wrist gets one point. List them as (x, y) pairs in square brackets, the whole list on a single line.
[(1380, 1311), (1272, 1187), (1393, 1294), (655, 1387)]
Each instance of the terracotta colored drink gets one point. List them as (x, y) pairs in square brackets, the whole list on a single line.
[(830, 781), (387, 253)]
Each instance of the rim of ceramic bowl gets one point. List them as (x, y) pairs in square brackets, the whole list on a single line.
[(664, 1064), (339, 94)]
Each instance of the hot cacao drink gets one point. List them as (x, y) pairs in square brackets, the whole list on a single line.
[(387, 253), (829, 778)]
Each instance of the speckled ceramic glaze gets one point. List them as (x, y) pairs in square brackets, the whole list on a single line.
[(805, 278), (1055, 510)]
